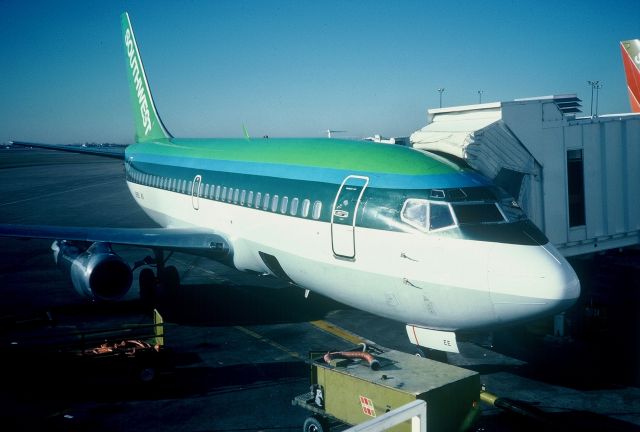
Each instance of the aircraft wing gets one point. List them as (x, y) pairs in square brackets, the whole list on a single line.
[(189, 240), (116, 152)]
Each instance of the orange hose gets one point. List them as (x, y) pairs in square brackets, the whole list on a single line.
[(373, 363)]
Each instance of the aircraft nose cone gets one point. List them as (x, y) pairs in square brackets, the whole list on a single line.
[(530, 281)]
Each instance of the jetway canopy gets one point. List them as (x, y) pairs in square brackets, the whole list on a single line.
[(578, 178)]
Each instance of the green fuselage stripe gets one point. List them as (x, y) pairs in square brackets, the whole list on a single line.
[(308, 152)]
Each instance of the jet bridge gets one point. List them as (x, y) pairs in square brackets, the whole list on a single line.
[(578, 178)]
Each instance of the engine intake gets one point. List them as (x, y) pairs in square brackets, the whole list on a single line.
[(96, 272)]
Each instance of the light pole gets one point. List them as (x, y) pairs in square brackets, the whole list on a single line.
[(441, 90), (480, 95), (595, 85)]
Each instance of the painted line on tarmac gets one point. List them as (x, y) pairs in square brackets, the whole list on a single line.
[(66, 191), (325, 326), (271, 342), (339, 332)]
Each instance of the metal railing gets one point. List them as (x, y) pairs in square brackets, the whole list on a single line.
[(416, 411)]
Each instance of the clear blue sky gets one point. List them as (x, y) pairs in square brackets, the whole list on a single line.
[(297, 68)]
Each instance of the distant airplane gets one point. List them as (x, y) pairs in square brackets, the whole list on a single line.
[(631, 60), (398, 232), (329, 132)]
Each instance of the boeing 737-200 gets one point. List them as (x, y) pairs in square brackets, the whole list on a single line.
[(391, 230)]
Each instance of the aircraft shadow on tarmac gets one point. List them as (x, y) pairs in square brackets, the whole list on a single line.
[(56, 381), (226, 305)]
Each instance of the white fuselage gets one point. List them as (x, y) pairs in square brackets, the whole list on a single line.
[(431, 281)]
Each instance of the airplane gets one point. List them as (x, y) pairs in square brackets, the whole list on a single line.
[(631, 60), (401, 233)]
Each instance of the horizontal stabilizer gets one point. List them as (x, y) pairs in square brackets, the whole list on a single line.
[(115, 152)]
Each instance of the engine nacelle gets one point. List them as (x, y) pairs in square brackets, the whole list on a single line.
[(96, 272)]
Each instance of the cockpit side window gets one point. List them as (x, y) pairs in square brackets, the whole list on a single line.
[(415, 213), (426, 215)]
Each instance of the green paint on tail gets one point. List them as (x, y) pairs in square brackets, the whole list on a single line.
[(149, 126)]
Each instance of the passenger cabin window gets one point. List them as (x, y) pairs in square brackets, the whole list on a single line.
[(317, 210), (426, 215), (265, 205), (274, 203), (285, 205), (217, 192), (294, 206), (258, 199), (306, 204), (478, 213), (250, 199)]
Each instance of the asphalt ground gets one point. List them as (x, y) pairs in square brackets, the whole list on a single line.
[(238, 342)]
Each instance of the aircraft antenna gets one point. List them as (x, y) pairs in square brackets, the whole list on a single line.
[(441, 90), (595, 85)]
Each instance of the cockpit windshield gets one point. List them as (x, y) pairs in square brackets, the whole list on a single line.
[(449, 208), (427, 215), (440, 216), (512, 210), (477, 213)]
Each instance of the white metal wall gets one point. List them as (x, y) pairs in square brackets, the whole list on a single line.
[(611, 160)]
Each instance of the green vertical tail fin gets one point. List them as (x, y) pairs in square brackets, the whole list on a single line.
[(149, 126)]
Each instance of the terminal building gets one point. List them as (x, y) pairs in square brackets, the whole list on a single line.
[(578, 178)]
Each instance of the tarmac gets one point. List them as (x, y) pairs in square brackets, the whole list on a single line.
[(239, 342)]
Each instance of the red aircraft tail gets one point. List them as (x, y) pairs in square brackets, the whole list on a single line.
[(631, 60)]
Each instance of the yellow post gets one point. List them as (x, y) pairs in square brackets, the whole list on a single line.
[(158, 328)]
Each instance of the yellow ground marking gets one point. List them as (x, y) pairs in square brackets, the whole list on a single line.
[(269, 342), (320, 324), (338, 332)]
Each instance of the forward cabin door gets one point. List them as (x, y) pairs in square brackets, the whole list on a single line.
[(343, 216)]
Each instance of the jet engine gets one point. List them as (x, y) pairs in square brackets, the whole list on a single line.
[(96, 272)]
